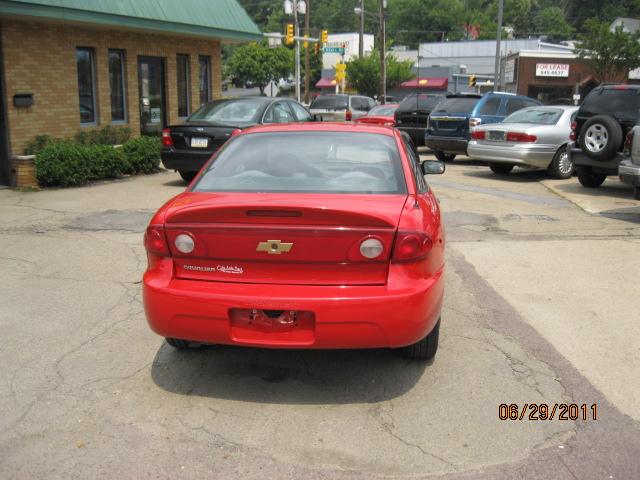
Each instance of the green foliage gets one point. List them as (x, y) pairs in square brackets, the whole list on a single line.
[(363, 74), (105, 136), (609, 54), (410, 22), (142, 154), (64, 164), (37, 144), (259, 64)]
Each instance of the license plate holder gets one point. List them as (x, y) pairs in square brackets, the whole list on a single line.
[(279, 326), (199, 142), (496, 135)]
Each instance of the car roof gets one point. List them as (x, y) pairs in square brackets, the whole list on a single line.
[(321, 127)]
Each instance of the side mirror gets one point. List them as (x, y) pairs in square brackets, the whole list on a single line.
[(432, 167)]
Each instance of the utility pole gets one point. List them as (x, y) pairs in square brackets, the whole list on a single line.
[(297, 34), (307, 65), (496, 71), (383, 75), (361, 38)]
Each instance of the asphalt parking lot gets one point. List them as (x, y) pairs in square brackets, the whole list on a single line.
[(541, 307)]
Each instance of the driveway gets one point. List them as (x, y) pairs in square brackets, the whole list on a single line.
[(541, 307)]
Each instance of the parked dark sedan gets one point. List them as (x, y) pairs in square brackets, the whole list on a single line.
[(187, 147)]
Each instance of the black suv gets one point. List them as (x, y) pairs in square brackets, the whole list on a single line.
[(605, 117), (412, 115)]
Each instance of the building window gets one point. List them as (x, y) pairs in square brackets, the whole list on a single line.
[(183, 85), (205, 79), (117, 86), (85, 59)]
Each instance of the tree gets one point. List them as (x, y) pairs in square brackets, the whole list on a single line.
[(363, 74), (259, 64), (610, 54)]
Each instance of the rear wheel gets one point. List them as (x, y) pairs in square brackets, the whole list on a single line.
[(181, 344), (561, 166), (444, 157), (588, 178), (426, 348), (500, 168), (187, 176)]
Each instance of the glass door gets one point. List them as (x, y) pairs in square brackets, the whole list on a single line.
[(152, 94)]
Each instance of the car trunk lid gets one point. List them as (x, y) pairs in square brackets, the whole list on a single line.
[(282, 239), (200, 136)]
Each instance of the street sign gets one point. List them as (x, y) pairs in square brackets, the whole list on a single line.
[(339, 50), (340, 71)]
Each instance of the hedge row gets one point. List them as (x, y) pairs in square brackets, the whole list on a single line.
[(65, 163), (105, 136)]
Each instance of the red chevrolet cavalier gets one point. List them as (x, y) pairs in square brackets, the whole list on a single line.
[(301, 236)]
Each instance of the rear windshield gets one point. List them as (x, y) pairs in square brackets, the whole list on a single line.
[(457, 105), (306, 162), (228, 112), (384, 110), (421, 102), (333, 102), (536, 116), (619, 102)]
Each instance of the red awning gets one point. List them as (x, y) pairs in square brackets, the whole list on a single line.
[(326, 83), (433, 83)]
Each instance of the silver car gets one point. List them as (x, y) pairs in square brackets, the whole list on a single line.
[(534, 137), (340, 107)]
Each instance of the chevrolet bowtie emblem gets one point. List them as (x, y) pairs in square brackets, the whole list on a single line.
[(274, 247)]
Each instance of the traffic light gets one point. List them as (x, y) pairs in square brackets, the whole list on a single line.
[(472, 81), (289, 39), (324, 38), (316, 48)]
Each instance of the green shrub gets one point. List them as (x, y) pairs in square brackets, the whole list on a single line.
[(62, 163), (106, 161), (142, 154), (105, 136), (36, 145)]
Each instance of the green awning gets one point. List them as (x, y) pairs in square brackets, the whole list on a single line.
[(223, 19)]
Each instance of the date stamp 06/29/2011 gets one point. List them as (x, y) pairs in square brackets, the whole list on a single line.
[(547, 411)]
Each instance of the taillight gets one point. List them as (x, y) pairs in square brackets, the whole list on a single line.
[(478, 134), (388, 124), (520, 137), (371, 248), (573, 136), (474, 122), (411, 246), (167, 141), (348, 115), (237, 131), (627, 143), (155, 241), (184, 243)]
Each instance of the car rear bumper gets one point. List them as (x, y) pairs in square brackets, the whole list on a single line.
[(184, 160), (629, 173), (446, 144), (529, 155), (581, 159), (344, 317), (416, 133)]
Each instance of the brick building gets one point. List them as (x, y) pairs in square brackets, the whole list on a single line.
[(550, 78), (68, 65)]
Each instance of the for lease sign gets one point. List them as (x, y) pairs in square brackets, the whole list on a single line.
[(552, 69)]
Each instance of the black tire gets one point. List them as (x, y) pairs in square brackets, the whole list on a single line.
[(588, 178), (500, 168), (181, 344), (444, 157), (426, 348), (187, 176), (601, 137), (561, 166), (636, 193)]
